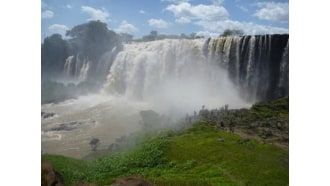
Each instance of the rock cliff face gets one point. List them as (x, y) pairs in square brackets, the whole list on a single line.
[(258, 65)]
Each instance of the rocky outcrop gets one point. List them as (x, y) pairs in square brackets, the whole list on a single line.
[(49, 176), (45, 115), (72, 125)]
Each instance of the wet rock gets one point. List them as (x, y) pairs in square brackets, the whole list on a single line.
[(254, 125), (266, 133), (131, 181), (71, 125), (279, 125), (45, 115)]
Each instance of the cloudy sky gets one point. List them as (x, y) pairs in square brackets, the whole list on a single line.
[(205, 17)]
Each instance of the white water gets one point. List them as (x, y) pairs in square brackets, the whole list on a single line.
[(172, 77)]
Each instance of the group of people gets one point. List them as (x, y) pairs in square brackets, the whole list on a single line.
[(217, 117)]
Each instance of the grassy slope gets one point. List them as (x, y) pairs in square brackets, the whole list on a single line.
[(199, 155)]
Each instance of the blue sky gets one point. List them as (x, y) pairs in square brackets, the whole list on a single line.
[(139, 17)]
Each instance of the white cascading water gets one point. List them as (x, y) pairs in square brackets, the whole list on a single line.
[(171, 77)]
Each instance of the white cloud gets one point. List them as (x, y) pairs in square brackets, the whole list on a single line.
[(95, 14), (158, 23), (142, 12), (207, 34), (247, 28), (187, 12), (47, 14), (68, 6), (126, 27), (57, 28), (214, 19), (272, 11), (183, 20)]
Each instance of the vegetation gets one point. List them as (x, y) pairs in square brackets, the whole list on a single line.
[(54, 52), (199, 155), (155, 36), (233, 32)]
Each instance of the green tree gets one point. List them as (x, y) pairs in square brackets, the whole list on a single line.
[(232, 32), (92, 39), (54, 52), (151, 37)]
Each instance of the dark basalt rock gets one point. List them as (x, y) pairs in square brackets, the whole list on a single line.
[(72, 125), (45, 115)]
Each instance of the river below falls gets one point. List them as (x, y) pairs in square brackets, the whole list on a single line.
[(76, 122)]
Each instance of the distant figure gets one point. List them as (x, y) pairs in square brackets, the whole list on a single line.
[(222, 124), (231, 126)]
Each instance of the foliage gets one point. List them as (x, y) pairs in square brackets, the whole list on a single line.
[(154, 35), (278, 108), (54, 51), (92, 39), (233, 32)]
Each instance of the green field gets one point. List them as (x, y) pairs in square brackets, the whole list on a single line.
[(199, 155)]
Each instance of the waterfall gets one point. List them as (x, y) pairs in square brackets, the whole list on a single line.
[(257, 65), (68, 66), (171, 72)]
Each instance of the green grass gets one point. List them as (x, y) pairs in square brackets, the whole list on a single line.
[(196, 156), (250, 163)]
